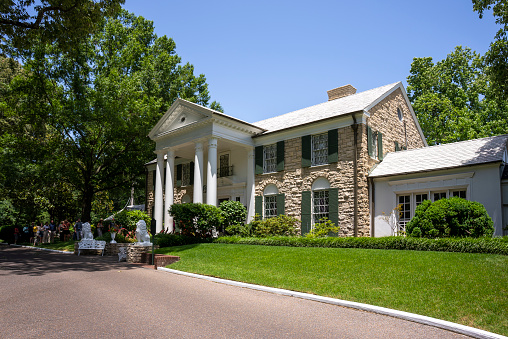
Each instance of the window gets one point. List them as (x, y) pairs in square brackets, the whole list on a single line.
[(186, 180), (270, 158), (399, 114), (419, 198), (321, 205), (438, 195), (459, 193), (224, 169), (319, 149), (404, 202), (270, 206), (375, 144)]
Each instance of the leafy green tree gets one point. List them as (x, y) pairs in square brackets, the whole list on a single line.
[(452, 98), (89, 112), (64, 22)]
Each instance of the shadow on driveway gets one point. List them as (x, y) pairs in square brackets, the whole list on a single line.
[(24, 261)]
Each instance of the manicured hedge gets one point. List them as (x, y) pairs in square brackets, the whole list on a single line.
[(466, 245), (168, 240)]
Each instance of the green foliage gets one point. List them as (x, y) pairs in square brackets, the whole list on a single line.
[(453, 217), (195, 219), (466, 245), (64, 22), (128, 219), (281, 225), (7, 213), (323, 228), (233, 214)]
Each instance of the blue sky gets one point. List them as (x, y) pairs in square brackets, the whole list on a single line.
[(267, 58)]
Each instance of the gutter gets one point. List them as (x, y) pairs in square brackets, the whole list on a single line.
[(354, 126)]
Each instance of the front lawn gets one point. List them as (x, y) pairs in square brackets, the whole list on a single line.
[(466, 288)]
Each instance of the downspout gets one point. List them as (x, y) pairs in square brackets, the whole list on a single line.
[(373, 207), (355, 175)]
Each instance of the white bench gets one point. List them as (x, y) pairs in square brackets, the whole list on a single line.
[(90, 244)]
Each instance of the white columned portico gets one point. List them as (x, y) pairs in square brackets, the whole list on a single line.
[(158, 205), (211, 173), (251, 190), (198, 174), (168, 199)]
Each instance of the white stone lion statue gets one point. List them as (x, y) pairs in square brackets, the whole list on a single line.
[(87, 231), (142, 234)]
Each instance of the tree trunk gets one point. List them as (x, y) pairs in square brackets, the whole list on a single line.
[(87, 204)]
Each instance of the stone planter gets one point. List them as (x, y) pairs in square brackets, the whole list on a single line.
[(113, 249), (135, 252)]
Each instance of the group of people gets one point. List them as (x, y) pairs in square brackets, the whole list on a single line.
[(47, 232)]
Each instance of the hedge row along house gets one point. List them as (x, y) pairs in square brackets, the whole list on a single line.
[(311, 163)]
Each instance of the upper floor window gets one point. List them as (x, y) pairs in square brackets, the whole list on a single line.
[(319, 151), (225, 170), (270, 158), (375, 143)]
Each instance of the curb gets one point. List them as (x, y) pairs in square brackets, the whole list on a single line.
[(42, 249), (447, 325)]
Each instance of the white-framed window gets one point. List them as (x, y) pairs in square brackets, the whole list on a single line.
[(438, 195), (320, 205), (404, 203), (270, 201), (419, 198), (186, 179), (319, 149), (270, 158), (270, 206), (458, 193)]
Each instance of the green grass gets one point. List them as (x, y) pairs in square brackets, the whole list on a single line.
[(57, 245), (466, 288)]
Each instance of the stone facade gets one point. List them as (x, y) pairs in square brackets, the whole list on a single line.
[(295, 179)]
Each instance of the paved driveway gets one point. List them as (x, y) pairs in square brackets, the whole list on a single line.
[(53, 295)]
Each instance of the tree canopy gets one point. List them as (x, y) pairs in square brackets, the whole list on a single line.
[(464, 96), (64, 22), (89, 112)]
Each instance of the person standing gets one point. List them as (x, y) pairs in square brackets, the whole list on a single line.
[(16, 234), (52, 231), (26, 234), (78, 226), (31, 233), (45, 233), (100, 226)]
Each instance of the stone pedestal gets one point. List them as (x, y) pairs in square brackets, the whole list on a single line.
[(113, 249), (135, 252)]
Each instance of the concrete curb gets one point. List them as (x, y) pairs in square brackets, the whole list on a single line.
[(447, 325), (42, 249)]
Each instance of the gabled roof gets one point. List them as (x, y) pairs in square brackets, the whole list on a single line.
[(334, 108), (457, 154)]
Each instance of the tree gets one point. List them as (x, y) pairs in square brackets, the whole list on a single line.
[(64, 22), (94, 107), (452, 98)]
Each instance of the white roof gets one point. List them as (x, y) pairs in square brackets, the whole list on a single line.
[(349, 104), (457, 154)]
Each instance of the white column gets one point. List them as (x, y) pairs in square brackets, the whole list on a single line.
[(251, 189), (168, 201), (211, 173), (198, 174), (159, 173)]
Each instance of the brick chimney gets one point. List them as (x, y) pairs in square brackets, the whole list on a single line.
[(340, 92)]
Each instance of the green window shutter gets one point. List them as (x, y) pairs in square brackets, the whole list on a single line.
[(333, 205), (191, 173), (306, 151), (178, 175), (164, 183), (370, 142), (333, 145), (306, 212), (153, 179), (380, 145), (280, 156), (281, 201), (258, 151), (396, 146), (258, 205)]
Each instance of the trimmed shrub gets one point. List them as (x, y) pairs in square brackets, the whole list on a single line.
[(323, 228), (280, 225), (465, 245), (233, 213), (195, 219), (453, 217), (169, 240)]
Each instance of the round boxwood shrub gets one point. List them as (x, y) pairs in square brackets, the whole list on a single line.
[(453, 217)]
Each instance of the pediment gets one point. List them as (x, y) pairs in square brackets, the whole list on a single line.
[(179, 115)]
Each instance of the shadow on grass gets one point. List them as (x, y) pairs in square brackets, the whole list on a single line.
[(173, 249), (25, 261)]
